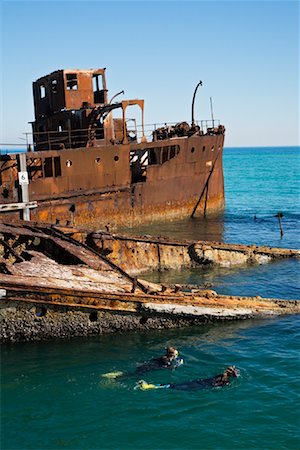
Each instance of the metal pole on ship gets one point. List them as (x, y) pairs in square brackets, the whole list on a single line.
[(193, 118), (23, 182), (212, 113)]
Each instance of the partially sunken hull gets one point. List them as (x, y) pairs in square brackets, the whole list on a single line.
[(103, 173), (107, 196)]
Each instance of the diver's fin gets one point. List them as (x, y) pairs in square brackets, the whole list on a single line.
[(112, 375), (143, 385)]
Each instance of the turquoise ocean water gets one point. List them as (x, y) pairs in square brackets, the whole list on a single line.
[(53, 396)]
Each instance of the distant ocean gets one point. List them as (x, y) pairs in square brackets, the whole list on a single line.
[(53, 396), (12, 149)]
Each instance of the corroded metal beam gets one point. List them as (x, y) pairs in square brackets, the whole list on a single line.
[(180, 304), (137, 254)]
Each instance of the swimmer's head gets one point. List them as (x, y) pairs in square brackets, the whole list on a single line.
[(232, 371), (171, 352)]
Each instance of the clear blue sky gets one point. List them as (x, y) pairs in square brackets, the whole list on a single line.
[(246, 53)]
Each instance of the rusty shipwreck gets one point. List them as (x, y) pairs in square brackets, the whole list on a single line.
[(85, 168), (54, 285)]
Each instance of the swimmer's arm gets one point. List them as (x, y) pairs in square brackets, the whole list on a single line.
[(177, 362)]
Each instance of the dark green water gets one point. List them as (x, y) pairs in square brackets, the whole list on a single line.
[(53, 396)]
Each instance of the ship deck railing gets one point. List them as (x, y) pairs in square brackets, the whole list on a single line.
[(77, 138)]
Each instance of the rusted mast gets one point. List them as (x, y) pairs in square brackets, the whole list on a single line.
[(193, 118)]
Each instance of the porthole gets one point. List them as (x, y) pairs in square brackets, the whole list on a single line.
[(68, 163), (116, 158), (40, 311), (93, 316), (212, 148), (203, 149), (5, 192), (192, 149), (98, 161)]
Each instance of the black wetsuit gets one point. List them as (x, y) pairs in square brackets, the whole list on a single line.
[(218, 380), (163, 362)]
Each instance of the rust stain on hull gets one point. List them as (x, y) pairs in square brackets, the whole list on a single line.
[(138, 254)]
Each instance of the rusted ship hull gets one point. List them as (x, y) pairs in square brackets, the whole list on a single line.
[(90, 169), (96, 186)]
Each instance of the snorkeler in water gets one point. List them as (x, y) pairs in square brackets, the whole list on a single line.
[(168, 361), (217, 381)]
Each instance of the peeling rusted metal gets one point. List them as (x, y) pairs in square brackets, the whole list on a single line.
[(137, 254), (181, 304)]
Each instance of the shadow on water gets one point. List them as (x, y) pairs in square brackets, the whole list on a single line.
[(210, 228)]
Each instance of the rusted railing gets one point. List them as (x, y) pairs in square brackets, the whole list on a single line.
[(76, 138)]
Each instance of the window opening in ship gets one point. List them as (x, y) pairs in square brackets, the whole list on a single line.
[(160, 155), (165, 154), (48, 170), (42, 91), (54, 86), (57, 166), (138, 165), (98, 88), (154, 154), (34, 168), (72, 83), (172, 151)]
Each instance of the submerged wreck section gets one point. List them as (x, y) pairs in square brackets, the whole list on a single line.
[(144, 253), (52, 285), (36, 313)]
